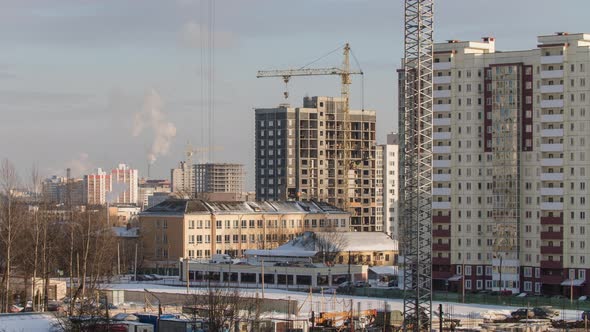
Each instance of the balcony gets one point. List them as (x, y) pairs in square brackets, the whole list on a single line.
[(551, 206), (552, 162), (441, 65), (557, 88), (441, 107), (551, 59), (551, 73), (551, 221), (441, 219), (441, 163), (552, 118), (441, 149), (441, 261), (552, 132), (441, 94), (551, 250), (441, 80), (441, 177), (551, 191), (552, 265), (441, 205), (551, 176), (441, 233), (441, 121), (551, 280), (441, 246), (551, 235), (552, 103), (441, 191), (551, 147), (441, 135)]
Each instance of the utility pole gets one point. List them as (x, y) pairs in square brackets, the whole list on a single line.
[(415, 128)]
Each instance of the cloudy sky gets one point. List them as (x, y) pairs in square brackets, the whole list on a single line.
[(92, 83)]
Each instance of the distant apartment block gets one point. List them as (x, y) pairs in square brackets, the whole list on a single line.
[(182, 179), (510, 184), (120, 186), (58, 190), (298, 150), (96, 186), (125, 182), (389, 186), (148, 188), (219, 178)]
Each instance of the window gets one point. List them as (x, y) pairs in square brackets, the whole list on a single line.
[(528, 286), (467, 284), (191, 239), (468, 270), (218, 239), (199, 238), (191, 224), (488, 270)]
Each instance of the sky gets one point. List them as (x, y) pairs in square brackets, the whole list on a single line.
[(95, 83)]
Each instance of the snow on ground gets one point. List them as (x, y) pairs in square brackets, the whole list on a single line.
[(319, 302), (28, 322)]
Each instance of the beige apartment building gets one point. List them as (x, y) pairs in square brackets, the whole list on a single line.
[(198, 229), (510, 189), (298, 150)]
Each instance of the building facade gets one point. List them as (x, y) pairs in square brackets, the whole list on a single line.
[(183, 180), (509, 166), (198, 229), (125, 185), (96, 187), (389, 185), (219, 178), (299, 153)]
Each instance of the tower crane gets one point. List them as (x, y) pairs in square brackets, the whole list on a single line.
[(415, 128), (344, 164)]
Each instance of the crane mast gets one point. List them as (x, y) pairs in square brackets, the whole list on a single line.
[(344, 159), (415, 128)]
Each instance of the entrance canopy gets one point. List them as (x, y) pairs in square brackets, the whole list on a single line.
[(575, 282)]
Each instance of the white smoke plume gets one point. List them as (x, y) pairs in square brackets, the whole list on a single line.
[(117, 189), (152, 117)]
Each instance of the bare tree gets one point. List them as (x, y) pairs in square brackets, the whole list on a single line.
[(330, 244), (224, 308), (8, 225)]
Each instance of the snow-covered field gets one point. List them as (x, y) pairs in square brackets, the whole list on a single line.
[(319, 302)]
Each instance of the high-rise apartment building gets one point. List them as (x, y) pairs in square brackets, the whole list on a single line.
[(298, 150), (509, 166), (96, 186), (128, 180), (120, 186), (219, 178), (389, 185), (57, 189), (183, 179)]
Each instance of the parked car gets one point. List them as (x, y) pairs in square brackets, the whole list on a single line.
[(392, 283), (522, 314), (361, 284), (546, 311)]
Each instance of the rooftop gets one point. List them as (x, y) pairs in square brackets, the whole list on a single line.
[(346, 241), (184, 206)]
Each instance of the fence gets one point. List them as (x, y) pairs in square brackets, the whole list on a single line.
[(556, 302)]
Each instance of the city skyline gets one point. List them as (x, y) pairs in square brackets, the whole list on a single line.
[(74, 75)]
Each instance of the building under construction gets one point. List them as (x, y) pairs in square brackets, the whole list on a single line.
[(298, 150)]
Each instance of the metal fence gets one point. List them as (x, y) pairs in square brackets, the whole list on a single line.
[(556, 302)]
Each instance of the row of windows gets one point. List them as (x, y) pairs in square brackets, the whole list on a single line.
[(236, 238), (235, 224)]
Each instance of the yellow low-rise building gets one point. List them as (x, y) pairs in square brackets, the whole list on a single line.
[(198, 229)]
